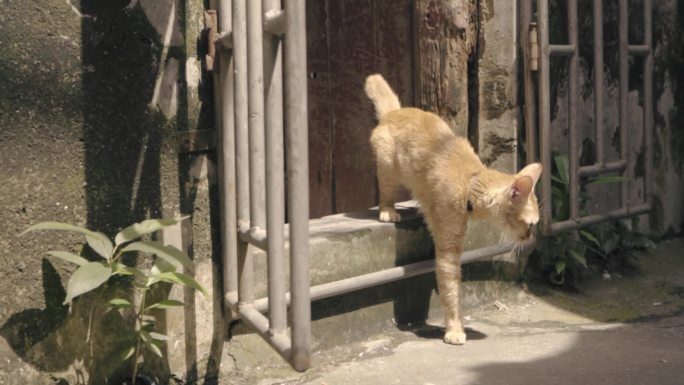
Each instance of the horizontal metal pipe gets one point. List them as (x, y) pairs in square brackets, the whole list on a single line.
[(562, 49), (560, 227), (639, 50), (280, 341), (596, 169), (381, 277)]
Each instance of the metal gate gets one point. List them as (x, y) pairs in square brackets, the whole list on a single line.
[(538, 53), (247, 43), (257, 52)]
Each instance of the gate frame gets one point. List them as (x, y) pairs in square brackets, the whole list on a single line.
[(540, 31)]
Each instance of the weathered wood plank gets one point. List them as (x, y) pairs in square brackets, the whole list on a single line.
[(352, 55), (445, 36), (320, 130)]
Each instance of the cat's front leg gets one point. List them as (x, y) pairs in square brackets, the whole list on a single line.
[(448, 269)]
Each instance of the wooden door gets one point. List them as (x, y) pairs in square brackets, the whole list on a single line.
[(347, 41)]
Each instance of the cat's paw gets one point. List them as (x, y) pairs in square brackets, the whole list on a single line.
[(455, 338), (389, 215)]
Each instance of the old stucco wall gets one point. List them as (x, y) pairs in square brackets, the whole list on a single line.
[(92, 94)]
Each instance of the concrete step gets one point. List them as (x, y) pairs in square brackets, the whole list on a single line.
[(353, 244)]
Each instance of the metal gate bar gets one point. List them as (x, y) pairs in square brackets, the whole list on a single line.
[(249, 101), (571, 51)]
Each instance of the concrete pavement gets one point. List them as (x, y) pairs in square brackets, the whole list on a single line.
[(616, 329)]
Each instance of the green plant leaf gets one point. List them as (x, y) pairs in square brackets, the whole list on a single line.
[(560, 267), (169, 253), (86, 278), (121, 269), (181, 279), (56, 226), (120, 302), (127, 353), (562, 167), (161, 266), (607, 179), (100, 244), (137, 230), (159, 336), (578, 257), (589, 236), (165, 304), (149, 343), (610, 244), (556, 179), (69, 257), (97, 241)]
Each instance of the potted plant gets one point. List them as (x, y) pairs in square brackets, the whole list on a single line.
[(92, 275)]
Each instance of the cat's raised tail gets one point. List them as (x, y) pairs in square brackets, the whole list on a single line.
[(384, 99)]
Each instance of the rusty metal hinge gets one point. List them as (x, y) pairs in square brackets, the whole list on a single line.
[(211, 25), (533, 38), (196, 141)]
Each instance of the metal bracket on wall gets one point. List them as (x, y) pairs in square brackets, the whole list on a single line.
[(211, 25), (196, 141)]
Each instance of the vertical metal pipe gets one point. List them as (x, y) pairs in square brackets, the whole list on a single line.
[(598, 81), (245, 256), (298, 179), (572, 115), (255, 76), (226, 159), (648, 100), (241, 112), (275, 176), (530, 99), (623, 74), (544, 113)]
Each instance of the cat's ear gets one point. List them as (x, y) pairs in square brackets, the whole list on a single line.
[(521, 189), (524, 182), (532, 170)]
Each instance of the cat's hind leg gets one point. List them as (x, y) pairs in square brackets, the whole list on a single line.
[(388, 185), (388, 174)]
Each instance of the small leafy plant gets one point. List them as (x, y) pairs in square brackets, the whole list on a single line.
[(92, 275), (565, 253)]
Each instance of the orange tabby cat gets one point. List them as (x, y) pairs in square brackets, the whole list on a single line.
[(417, 149)]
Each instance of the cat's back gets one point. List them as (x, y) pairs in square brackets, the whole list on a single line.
[(417, 126)]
